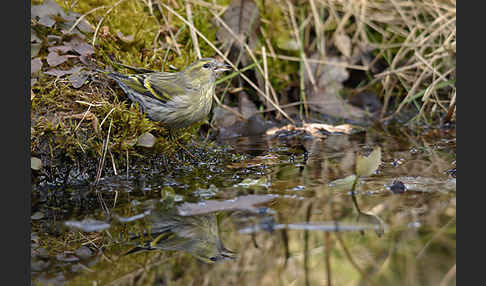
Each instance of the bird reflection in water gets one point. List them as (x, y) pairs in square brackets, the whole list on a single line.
[(197, 235)]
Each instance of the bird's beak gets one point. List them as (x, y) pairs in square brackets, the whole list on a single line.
[(221, 67)]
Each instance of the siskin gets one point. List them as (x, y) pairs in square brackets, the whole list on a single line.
[(177, 99)]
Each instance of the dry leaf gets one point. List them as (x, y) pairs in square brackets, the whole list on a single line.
[(343, 44), (35, 65), (58, 72), (80, 46), (54, 59), (77, 79), (243, 17)]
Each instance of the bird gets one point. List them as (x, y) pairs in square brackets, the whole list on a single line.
[(177, 99)]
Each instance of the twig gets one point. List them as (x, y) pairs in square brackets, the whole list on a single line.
[(174, 42), (84, 116), (235, 112), (83, 16), (227, 60), (191, 29), (103, 18), (247, 48), (302, 53), (449, 275), (325, 62), (265, 75)]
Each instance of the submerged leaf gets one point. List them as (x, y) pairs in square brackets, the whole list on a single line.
[(365, 166)]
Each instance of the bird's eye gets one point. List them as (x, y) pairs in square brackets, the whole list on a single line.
[(206, 66), (213, 259)]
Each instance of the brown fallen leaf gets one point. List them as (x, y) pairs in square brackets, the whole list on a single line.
[(60, 49), (243, 17), (54, 59), (35, 65), (58, 72), (77, 79), (80, 46), (326, 98)]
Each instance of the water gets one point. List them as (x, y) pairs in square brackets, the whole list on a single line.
[(260, 211)]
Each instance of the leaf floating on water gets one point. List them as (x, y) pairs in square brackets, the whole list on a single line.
[(88, 225), (238, 203), (366, 166)]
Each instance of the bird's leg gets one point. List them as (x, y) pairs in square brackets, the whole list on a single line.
[(173, 136)]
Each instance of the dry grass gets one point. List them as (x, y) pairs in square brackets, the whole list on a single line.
[(416, 41)]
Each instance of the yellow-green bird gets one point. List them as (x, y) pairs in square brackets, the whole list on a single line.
[(177, 99)]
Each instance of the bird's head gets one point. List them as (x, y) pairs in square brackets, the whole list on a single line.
[(205, 70)]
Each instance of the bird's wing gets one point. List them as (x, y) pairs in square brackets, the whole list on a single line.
[(165, 86), (158, 85)]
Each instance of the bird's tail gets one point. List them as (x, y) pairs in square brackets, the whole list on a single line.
[(112, 74), (137, 249)]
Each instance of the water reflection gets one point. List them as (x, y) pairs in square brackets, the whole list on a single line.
[(198, 235), (287, 209)]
